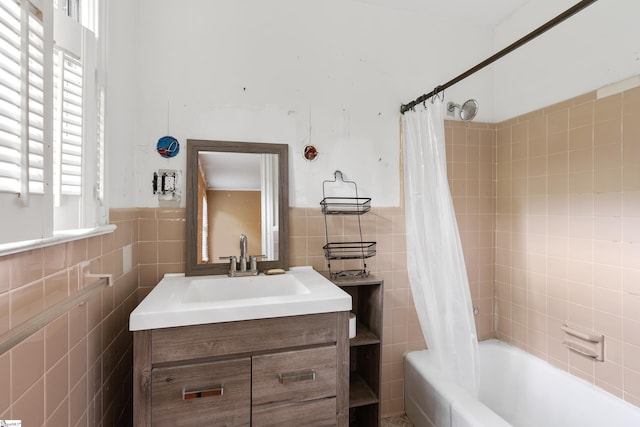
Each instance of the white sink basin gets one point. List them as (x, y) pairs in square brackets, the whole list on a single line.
[(219, 289), (182, 301)]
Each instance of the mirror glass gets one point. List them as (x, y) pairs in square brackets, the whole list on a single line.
[(236, 188)]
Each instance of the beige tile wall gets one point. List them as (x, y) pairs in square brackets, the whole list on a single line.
[(76, 370), (161, 245), (471, 163), (568, 234), (471, 166)]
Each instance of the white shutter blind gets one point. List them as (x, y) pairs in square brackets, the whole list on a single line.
[(36, 104), (21, 100), (10, 157), (68, 124)]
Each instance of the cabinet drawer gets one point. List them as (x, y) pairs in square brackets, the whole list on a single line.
[(215, 393), (218, 339), (315, 413), (294, 376)]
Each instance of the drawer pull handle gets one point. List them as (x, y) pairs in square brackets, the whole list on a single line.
[(196, 394), (293, 377)]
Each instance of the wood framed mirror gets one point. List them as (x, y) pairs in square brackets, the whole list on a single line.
[(236, 188)]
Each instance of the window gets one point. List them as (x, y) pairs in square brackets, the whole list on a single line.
[(67, 125), (51, 118)]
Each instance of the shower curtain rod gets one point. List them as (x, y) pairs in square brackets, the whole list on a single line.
[(513, 46)]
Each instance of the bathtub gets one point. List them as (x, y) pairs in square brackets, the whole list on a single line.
[(516, 389)]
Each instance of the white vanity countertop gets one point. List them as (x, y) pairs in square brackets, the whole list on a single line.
[(182, 301)]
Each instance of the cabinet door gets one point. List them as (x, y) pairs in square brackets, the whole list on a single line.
[(214, 393), (295, 387)]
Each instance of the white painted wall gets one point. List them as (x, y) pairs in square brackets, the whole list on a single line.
[(333, 73), (598, 46), (121, 100)]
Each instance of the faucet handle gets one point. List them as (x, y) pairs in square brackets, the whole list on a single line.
[(253, 260), (232, 262)]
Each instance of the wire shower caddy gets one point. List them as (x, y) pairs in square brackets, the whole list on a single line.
[(354, 250)]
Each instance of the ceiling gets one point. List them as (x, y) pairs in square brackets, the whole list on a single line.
[(485, 13)]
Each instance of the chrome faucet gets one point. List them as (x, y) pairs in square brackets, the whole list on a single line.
[(243, 253), (242, 271)]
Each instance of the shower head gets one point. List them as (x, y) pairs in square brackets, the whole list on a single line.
[(468, 110)]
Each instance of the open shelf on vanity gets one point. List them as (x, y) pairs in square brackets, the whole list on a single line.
[(360, 394), (365, 349), (363, 336)]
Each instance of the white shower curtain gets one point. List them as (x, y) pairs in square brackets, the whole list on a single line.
[(436, 267)]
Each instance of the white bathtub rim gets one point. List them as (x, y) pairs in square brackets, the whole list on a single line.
[(456, 397), (454, 406), (628, 414)]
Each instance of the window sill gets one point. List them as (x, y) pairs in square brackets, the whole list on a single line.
[(56, 239)]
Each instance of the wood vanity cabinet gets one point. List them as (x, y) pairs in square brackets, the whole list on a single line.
[(287, 371)]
